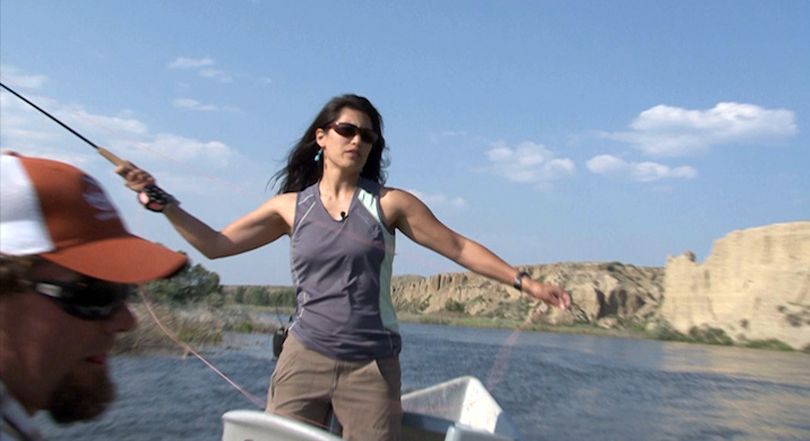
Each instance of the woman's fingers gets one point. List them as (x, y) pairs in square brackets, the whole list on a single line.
[(558, 297), (134, 177)]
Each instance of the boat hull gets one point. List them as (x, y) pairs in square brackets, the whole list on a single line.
[(457, 410)]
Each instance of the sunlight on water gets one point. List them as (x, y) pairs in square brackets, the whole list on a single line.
[(554, 387)]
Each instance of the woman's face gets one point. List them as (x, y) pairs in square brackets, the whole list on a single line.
[(348, 151)]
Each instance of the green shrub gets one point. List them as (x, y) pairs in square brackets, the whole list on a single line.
[(454, 306), (245, 327), (709, 335), (256, 295), (771, 343), (191, 285), (666, 333)]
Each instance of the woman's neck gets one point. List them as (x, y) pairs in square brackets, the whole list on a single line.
[(337, 185)]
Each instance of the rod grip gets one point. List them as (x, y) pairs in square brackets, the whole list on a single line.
[(111, 157)]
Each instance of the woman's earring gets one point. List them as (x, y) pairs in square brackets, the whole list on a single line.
[(318, 155)]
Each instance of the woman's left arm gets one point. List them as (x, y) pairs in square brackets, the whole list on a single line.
[(411, 216)]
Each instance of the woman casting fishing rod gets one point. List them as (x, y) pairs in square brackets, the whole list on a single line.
[(343, 348)]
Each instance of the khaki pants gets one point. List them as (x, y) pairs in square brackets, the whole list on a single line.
[(364, 395)]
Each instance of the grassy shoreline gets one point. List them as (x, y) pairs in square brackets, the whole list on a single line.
[(501, 323), (714, 337), (199, 326)]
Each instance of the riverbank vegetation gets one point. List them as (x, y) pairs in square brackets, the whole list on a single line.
[(195, 309), (655, 331)]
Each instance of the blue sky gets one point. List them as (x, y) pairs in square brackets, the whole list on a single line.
[(548, 131)]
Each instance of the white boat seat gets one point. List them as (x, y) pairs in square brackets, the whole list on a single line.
[(465, 404), (241, 425)]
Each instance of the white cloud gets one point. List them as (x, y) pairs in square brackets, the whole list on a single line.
[(439, 199), (215, 74), (184, 149), (90, 122), (13, 78), (673, 131), (528, 163), (190, 63), (204, 68), (609, 165), (192, 104), (24, 129), (456, 136)]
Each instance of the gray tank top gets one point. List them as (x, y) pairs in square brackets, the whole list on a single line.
[(341, 270)]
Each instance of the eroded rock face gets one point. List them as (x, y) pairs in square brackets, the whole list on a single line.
[(755, 285), (599, 291)]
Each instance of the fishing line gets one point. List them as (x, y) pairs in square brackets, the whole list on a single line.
[(496, 372), (147, 302), (120, 162), (261, 404)]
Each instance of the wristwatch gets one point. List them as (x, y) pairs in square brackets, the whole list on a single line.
[(518, 282)]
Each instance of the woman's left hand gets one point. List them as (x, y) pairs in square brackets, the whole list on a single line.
[(135, 178), (551, 294)]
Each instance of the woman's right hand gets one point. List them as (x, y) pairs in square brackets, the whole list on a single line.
[(135, 178)]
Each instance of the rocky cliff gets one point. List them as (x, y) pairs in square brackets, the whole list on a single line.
[(602, 293), (755, 285)]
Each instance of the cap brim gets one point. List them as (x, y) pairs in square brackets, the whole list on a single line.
[(123, 259)]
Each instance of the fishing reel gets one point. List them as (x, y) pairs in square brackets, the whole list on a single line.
[(156, 199)]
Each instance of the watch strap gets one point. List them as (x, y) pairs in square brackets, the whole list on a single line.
[(518, 282)]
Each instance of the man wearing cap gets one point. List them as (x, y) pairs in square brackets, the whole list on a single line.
[(67, 266)]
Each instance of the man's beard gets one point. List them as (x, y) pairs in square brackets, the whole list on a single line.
[(77, 399)]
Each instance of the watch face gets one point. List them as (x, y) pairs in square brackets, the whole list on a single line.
[(518, 283)]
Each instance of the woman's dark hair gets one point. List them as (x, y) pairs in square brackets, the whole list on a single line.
[(302, 171)]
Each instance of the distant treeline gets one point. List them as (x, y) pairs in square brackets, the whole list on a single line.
[(197, 285), (281, 296)]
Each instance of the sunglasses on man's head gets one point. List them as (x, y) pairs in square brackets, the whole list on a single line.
[(86, 298), (349, 130)]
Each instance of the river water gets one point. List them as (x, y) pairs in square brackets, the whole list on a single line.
[(554, 386)]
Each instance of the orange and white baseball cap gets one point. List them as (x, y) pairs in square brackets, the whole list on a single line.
[(56, 211)]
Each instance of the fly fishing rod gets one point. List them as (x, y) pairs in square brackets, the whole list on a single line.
[(155, 199), (152, 197)]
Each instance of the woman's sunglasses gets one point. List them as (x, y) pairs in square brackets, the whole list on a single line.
[(86, 298), (349, 130)]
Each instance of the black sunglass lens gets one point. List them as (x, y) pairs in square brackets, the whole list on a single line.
[(346, 130), (96, 293), (368, 136), (91, 299), (350, 130)]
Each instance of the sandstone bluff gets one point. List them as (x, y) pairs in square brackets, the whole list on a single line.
[(755, 285)]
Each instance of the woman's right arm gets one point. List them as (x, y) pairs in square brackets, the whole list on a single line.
[(261, 226)]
